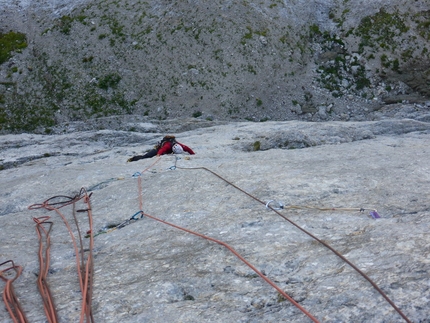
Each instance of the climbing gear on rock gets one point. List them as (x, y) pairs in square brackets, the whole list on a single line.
[(132, 219), (374, 214), (325, 244), (281, 206), (121, 225), (174, 166)]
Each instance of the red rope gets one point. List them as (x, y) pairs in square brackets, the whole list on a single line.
[(150, 166), (289, 298), (243, 260), (44, 259), (9, 297), (84, 269), (315, 238)]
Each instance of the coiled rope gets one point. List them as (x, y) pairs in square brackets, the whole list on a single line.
[(9, 297), (85, 269), (44, 260)]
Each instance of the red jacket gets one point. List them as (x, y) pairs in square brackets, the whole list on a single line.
[(167, 148)]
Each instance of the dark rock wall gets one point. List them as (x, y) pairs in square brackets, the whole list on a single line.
[(246, 60)]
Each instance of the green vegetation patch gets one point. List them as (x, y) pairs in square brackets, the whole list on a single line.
[(247, 36), (27, 118), (65, 24), (338, 72), (380, 29), (422, 19), (197, 114), (109, 81), (9, 43)]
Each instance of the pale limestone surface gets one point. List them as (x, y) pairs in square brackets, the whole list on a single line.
[(150, 272)]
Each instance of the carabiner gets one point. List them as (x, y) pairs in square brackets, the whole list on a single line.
[(137, 174), (134, 215), (281, 206)]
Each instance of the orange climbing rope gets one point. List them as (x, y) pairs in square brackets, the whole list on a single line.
[(312, 236), (44, 259), (289, 298), (85, 266), (85, 269), (9, 297)]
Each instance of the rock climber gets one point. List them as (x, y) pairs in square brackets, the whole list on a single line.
[(167, 145)]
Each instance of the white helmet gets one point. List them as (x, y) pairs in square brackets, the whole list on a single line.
[(177, 149)]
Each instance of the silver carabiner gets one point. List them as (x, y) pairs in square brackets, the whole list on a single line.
[(281, 206)]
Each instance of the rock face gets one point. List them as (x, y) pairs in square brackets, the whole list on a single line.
[(107, 79), (151, 272), (240, 60)]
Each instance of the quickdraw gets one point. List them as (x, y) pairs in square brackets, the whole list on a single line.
[(372, 212), (174, 166), (132, 219), (121, 225)]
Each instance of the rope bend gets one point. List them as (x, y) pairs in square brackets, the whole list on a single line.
[(374, 285), (85, 269), (289, 298), (10, 299)]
